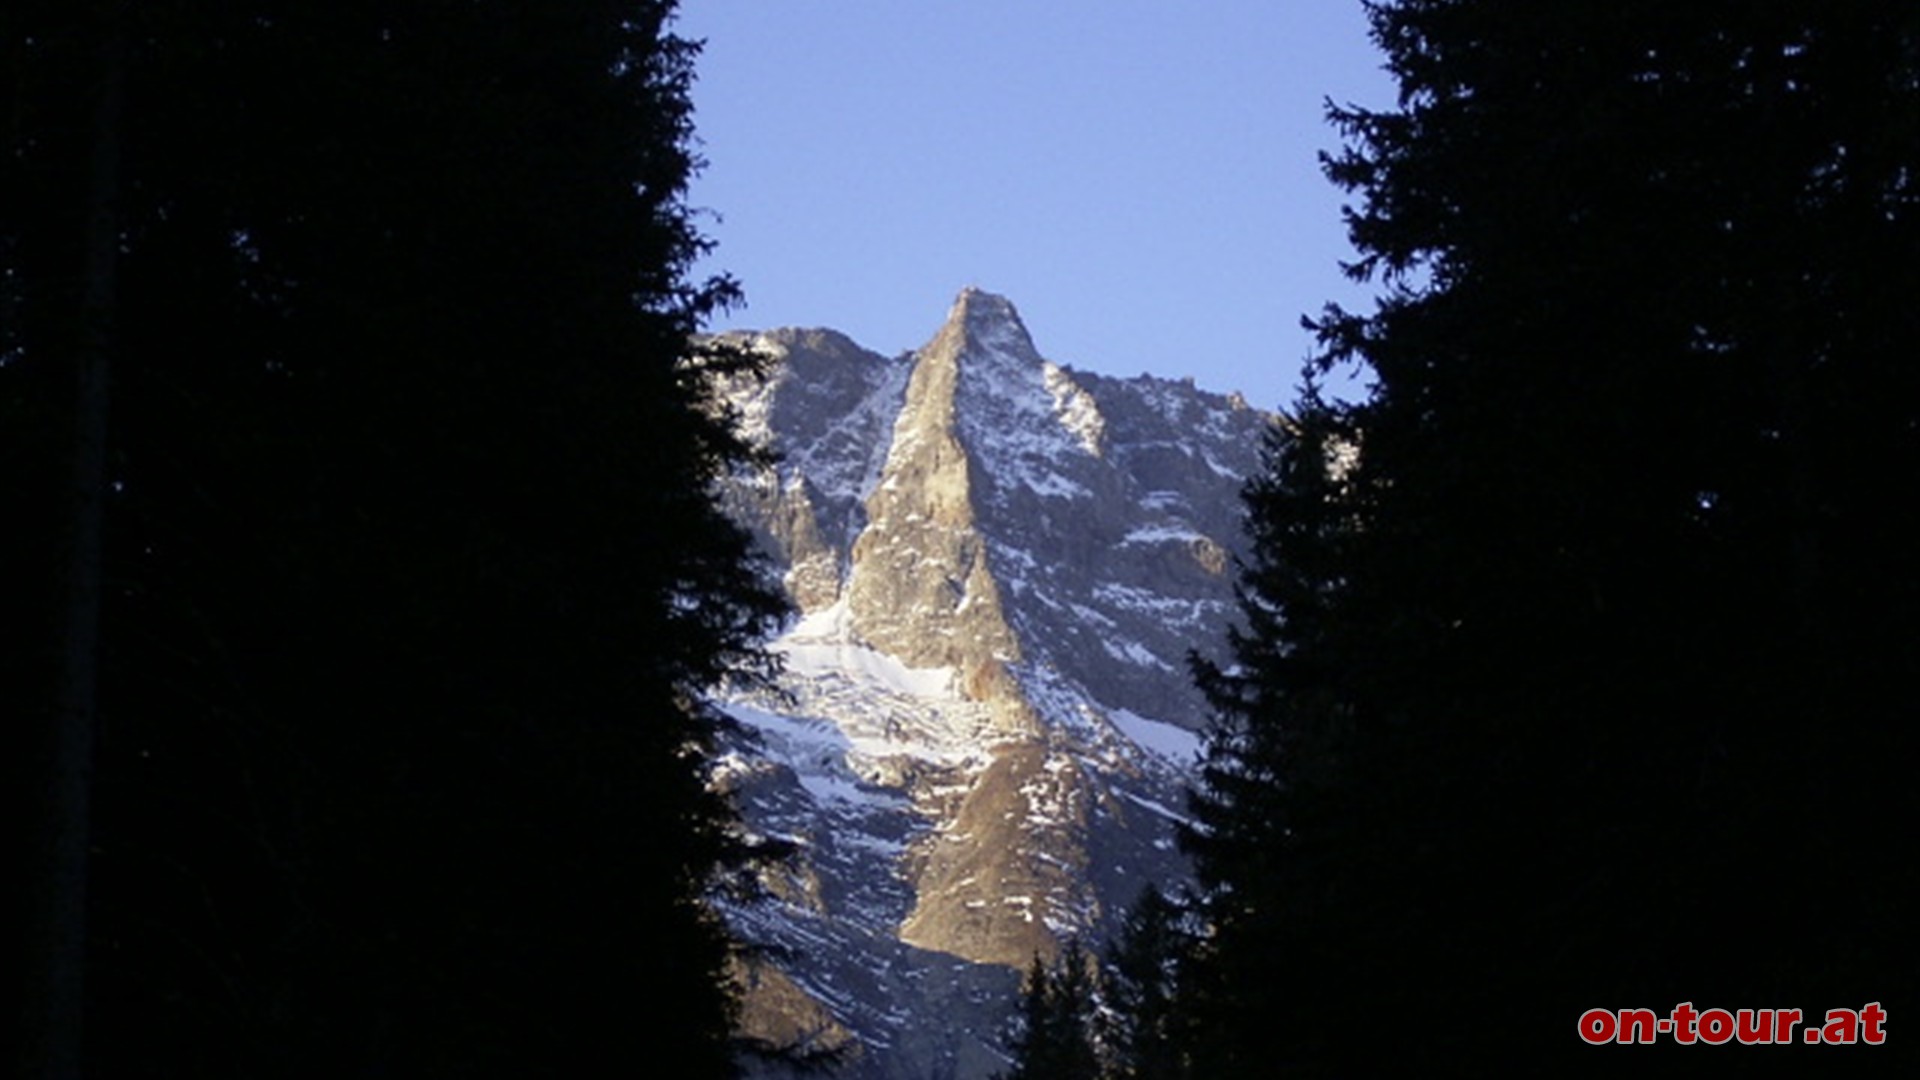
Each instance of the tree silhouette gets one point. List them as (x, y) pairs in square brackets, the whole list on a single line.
[(1140, 1026), (412, 576), (1058, 1003), (1576, 680)]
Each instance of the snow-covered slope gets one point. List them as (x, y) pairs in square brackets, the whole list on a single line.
[(980, 743)]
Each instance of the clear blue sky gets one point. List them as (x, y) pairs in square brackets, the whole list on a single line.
[(1140, 178)]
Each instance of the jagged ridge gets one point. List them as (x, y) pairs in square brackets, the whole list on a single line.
[(1002, 564)]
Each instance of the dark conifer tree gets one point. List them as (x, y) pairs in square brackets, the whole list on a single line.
[(1574, 689), (1142, 1033), (1056, 1036), (415, 577), (1278, 845), (1033, 1050)]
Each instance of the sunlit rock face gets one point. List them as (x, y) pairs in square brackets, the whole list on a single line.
[(981, 741)]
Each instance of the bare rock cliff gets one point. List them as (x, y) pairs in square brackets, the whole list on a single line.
[(982, 739)]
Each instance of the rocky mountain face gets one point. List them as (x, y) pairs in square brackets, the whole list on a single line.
[(980, 743)]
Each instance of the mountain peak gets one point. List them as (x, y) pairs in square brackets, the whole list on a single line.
[(982, 318), (976, 302), (981, 737)]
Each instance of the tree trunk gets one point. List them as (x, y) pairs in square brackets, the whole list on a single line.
[(51, 1038)]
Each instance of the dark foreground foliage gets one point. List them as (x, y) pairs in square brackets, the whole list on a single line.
[(1115, 1016), (1055, 1037), (408, 577), (1576, 662)]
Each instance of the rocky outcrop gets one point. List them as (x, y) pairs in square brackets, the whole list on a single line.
[(828, 407), (980, 743), (921, 589)]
